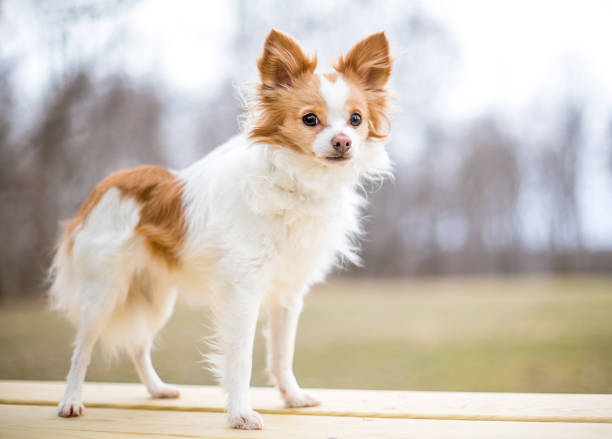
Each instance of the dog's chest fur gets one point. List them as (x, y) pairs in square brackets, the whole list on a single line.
[(288, 222)]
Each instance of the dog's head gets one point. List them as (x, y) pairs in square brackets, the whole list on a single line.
[(330, 117)]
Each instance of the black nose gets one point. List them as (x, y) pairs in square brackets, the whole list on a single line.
[(341, 143)]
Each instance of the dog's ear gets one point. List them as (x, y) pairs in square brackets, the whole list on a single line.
[(368, 61), (283, 61)]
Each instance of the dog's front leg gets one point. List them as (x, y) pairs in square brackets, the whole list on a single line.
[(282, 327), (237, 321)]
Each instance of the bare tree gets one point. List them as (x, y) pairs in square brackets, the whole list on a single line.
[(558, 169), (488, 187), (12, 210)]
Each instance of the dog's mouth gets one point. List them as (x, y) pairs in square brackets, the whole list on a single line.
[(338, 158)]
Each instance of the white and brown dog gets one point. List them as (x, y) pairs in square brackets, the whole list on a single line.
[(252, 225)]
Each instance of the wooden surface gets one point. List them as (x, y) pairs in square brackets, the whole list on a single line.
[(27, 410), (42, 422)]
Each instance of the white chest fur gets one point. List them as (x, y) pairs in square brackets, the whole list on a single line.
[(260, 212)]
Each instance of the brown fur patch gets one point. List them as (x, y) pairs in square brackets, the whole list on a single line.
[(331, 76), (368, 65), (280, 120), (287, 91), (158, 192), (357, 103)]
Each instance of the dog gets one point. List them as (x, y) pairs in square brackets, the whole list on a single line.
[(249, 227)]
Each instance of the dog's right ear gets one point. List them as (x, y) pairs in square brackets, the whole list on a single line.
[(283, 61)]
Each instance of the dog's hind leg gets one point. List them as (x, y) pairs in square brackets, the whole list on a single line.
[(154, 299), (141, 356), (71, 404), (88, 333)]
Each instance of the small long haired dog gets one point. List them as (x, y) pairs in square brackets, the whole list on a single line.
[(252, 225)]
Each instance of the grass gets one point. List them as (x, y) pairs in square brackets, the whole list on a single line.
[(472, 334)]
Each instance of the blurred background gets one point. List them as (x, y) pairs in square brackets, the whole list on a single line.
[(487, 260)]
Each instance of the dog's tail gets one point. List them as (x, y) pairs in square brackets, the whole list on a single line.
[(61, 276)]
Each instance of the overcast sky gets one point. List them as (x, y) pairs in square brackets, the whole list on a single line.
[(509, 51)]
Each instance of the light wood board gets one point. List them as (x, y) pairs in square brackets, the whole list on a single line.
[(336, 403), (29, 422)]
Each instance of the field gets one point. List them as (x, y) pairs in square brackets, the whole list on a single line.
[(476, 334)]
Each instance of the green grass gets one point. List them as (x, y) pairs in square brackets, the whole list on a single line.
[(476, 334)]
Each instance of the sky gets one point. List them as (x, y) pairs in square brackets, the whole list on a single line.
[(522, 45), (509, 51), (511, 54)]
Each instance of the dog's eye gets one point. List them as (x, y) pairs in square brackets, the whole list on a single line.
[(310, 120), (355, 119)]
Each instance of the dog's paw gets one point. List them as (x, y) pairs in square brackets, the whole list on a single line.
[(70, 408), (301, 399), (246, 421), (166, 391)]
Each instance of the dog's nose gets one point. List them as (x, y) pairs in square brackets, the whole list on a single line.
[(341, 143)]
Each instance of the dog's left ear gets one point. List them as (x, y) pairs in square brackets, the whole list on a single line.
[(283, 61), (368, 61)]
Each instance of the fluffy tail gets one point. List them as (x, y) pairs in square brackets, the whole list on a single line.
[(62, 291)]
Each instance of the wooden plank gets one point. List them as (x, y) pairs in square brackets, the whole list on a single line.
[(346, 403), (29, 422)]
